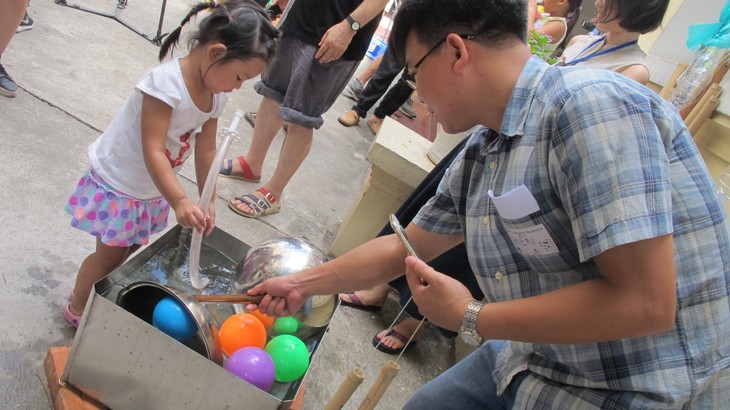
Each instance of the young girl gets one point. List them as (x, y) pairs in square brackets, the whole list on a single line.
[(553, 23), (126, 194)]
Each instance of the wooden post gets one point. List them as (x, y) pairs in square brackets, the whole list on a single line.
[(387, 373), (704, 113), (672, 81), (713, 91), (344, 392)]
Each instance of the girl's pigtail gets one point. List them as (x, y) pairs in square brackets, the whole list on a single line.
[(171, 40)]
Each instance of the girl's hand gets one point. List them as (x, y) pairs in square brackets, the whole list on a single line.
[(189, 215), (210, 219)]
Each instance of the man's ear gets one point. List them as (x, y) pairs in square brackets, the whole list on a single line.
[(216, 51), (461, 52)]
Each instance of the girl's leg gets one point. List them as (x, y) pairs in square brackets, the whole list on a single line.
[(97, 265)]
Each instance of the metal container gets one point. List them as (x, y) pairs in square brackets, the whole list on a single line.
[(140, 299), (120, 359), (281, 257)]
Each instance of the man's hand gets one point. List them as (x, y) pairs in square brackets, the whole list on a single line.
[(281, 298), (334, 42), (440, 298)]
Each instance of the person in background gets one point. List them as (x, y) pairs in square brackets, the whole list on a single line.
[(26, 23), (453, 262), (588, 217), (11, 14), (355, 86), (126, 194), (321, 46), (398, 96), (616, 48), (554, 22)]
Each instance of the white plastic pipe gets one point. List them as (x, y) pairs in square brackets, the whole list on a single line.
[(205, 197)]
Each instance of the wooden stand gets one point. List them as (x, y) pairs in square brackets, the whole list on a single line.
[(65, 396)]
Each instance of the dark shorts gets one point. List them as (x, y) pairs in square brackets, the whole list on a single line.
[(304, 87)]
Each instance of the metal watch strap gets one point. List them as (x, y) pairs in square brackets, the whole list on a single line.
[(469, 325)]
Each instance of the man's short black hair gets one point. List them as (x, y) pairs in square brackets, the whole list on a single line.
[(492, 22), (638, 16)]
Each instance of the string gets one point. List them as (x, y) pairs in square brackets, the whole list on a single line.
[(600, 53), (403, 309)]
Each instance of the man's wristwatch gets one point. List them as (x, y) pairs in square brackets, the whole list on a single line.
[(468, 331), (354, 25)]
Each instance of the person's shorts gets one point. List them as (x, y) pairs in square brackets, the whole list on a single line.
[(303, 86)]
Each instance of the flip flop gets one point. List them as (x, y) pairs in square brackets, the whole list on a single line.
[(392, 333), (357, 303), (267, 205)]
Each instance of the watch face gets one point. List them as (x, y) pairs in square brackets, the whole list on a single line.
[(355, 25)]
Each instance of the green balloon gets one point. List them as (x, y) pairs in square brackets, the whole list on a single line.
[(286, 325), (290, 357)]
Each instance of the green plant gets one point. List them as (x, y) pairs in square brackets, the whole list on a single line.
[(538, 43)]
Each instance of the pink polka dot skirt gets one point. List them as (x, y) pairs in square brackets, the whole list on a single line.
[(99, 209)]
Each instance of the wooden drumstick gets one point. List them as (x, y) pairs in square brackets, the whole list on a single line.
[(234, 299), (387, 373), (344, 392)]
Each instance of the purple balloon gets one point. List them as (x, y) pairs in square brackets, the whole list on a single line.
[(253, 365)]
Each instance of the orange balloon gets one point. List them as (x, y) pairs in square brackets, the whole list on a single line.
[(267, 320), (241, 330)]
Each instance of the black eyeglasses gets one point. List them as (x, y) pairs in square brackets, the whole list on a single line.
[(410, 77)]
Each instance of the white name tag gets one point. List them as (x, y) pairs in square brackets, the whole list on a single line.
[(519, 203)]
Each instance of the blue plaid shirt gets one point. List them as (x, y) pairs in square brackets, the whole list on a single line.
[(608, 162)]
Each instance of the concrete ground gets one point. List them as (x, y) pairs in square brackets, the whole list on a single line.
[(74, 70)]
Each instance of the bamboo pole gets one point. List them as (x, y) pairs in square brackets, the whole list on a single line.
[(344, 392), (713, 91), (387, 373), (672, 81), (704, 113)]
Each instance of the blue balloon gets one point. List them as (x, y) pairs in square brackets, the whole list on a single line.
[(174, 320)]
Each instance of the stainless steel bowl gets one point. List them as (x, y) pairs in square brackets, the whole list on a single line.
[(281, 257), (140, 299)]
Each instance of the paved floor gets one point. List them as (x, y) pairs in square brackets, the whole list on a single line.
[(75, 69)]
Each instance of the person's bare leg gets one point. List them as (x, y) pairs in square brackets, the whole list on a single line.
[(406, 328), (367, 72), (295, 149), (267, 125), (374, 296), (97, 265), (11, 13)]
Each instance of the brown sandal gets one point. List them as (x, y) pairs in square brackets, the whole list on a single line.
[(267, 205)]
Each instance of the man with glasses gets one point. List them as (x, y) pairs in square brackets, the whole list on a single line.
[(588, 217)]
